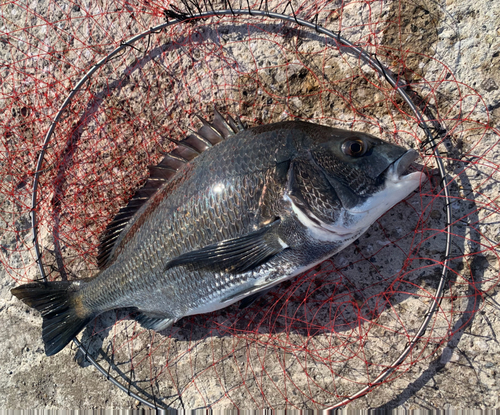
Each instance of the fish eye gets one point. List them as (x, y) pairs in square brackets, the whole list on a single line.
[(354, 147)]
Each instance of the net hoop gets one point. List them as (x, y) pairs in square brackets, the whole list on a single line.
[(343, 45)]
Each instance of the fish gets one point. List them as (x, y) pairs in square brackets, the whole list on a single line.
[(228, 214)]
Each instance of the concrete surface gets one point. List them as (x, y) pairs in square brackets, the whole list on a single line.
[(454, 371)]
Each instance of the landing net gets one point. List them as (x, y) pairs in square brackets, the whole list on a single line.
[(95, 91)]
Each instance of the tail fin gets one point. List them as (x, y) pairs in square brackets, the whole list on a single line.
[(63, 313)]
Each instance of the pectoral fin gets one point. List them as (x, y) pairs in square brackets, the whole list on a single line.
[(236, 255)]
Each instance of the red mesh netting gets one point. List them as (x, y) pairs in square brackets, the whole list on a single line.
[(312, 341)]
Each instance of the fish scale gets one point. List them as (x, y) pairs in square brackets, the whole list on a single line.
[(186, 239), (256, 207)]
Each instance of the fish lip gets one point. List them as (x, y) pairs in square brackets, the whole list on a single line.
[(396, 171), (394, 177)]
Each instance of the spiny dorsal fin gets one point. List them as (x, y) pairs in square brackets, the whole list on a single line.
[(187, 149), (237, 125), (222, 126), (210, 132)]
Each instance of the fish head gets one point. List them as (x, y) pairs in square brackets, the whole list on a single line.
[(345, 180)]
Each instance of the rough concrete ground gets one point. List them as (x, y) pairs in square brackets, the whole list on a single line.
[(464, 374)]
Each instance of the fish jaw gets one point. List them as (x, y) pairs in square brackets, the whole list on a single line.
[(364, 215), (397, 187)]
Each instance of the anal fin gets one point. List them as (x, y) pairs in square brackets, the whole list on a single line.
[(248, 301), (153, 323)]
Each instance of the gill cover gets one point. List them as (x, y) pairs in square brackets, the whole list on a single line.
[(311, 192)]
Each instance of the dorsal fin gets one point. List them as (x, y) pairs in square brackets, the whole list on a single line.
[(187, 149), (222, 126), (237, 125), (210, 132)]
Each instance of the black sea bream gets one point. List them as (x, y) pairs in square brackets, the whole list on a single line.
[(229, 214)]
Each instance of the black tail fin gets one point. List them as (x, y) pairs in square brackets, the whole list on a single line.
[(63, 314)]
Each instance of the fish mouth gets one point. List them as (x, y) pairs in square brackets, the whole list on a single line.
[(397, 171), (398, 184)]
